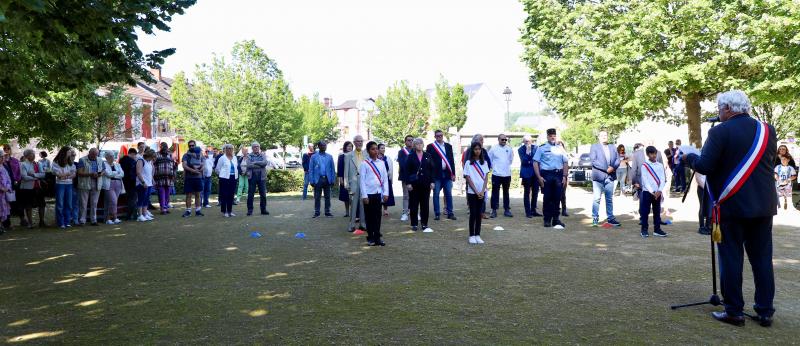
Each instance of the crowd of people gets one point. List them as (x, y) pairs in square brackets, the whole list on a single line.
[(77, 184)]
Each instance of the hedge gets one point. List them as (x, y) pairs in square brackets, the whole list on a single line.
[(278, 180)]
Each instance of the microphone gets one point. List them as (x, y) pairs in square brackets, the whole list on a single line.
[(712, 119)]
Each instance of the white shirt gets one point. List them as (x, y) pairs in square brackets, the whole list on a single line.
[(224, 167), (369, 182), (208, 166), (477, 176), (649, 182), (501, 156), (147, 174)]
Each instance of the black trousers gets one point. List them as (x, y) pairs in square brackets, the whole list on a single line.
[(753, 235), (132, 201), (704, 212), (475, 215), (530, 194), (372, 216), (319, 190), (553, 191), (497, 183), (419, 203), (647, 202)]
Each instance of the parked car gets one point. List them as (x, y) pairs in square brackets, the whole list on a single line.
[(276, 157), (584, 162), (293, 159)]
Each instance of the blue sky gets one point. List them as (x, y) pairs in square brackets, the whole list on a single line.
[(357, 48)]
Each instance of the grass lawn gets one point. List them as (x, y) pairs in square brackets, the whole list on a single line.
[(206, 281)]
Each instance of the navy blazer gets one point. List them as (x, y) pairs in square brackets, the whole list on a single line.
[(401, 163), (438, 168), (599, 163), (420, 172), (526, 162), (726, 146)]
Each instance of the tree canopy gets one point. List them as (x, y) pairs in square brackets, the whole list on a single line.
[(613, 63), (317, 122), (451, 106), (53, 47), (402, 111)]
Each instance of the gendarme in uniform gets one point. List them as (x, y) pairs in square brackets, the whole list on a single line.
[(551, 160)]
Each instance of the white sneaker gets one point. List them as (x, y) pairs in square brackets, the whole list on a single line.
[(427, 230), (558, 227), (149, 218), (117, 221), (226, 215), (478, 239), (149, 214), (141, 218), (231, 214), (404, 217), (472, 240), (109, 222)]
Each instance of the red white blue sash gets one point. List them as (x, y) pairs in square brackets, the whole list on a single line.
[(479, 169), (740, 175), (652, 172), (405, 151), (377, 173), (441, 153)]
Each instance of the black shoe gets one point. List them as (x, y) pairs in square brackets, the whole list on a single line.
[(764, 321), (507, 213), (436, 218), (547, 224), (614, 222), (249, 212), (198, 213), (659, 233), (494, 214), (316, 215), (380, 242), (414, 228), (352, 229), (328, 215), (346, 215), (645, 234), (559, 223), (529, 215), (724, 317), (371, 243), (264, 212), (704, 231), (23, 223), (452, 217), (535, 214), (564, 213), (94, 223)]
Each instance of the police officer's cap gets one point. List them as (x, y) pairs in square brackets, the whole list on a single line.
[(551, 132)]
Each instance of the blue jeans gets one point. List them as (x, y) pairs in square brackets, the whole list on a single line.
[(206, 190), (447, 184), (603, 188), (63, 204), (305, 185), (261, 185), (679, 175), (76, 202)]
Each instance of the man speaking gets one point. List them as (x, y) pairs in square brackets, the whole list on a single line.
[(737, 158)]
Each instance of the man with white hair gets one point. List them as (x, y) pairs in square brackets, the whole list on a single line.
[(737, 160), (255, 166), (352, 182), (306, 160), (529, 181)]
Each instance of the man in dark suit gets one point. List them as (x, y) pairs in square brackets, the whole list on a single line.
[(605, 162), (402, 155), (443, 175), (529, 181), (306, 159), (745, 214), (669, 153)]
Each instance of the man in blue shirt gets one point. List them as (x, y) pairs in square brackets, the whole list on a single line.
[(605, 162), (550, 166), (321, 175), (529, 181)]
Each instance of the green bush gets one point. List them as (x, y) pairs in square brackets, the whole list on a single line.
[(285, 180), (179, 184)]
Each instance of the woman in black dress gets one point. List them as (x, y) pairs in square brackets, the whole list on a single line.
[(344, 196)]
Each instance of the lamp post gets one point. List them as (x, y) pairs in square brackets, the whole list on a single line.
[(507, 94)]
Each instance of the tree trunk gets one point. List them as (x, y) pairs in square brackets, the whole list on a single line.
[(692, 103)]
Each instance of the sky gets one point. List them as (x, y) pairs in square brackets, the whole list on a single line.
[(350, 49)]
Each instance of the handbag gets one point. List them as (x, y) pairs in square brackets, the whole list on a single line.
[(11, 196)]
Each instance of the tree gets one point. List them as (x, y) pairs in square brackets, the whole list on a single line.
[(317, 122), (613, 63), (53, 47), (451, 106), (237, 102), (402, 111), (101, 113)]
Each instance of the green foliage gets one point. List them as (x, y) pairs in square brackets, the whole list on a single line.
[(55, 47), (237, 102), (613, 63), (785, 118), (318, 123), (402, 111), (578, 133), (285, 180), (451, 106)]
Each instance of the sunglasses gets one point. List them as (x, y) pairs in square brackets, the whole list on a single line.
[(504, 140)]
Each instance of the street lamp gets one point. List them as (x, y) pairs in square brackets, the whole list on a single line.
[(507, 94)]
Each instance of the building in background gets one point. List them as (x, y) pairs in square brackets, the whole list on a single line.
[(353, 117), (150, 99)]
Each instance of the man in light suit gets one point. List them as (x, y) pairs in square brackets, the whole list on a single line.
[(605, 162), (352, 161)]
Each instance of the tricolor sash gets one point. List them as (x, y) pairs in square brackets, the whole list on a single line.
[(652, 172), (441, 153), (377, 174), (739, 176), (480, 171), (405, 151)]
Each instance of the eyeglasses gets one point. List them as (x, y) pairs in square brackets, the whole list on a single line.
[(503, 139)]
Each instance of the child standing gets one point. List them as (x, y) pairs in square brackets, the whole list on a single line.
[(653, 183), (784, 174), (475, 170)]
